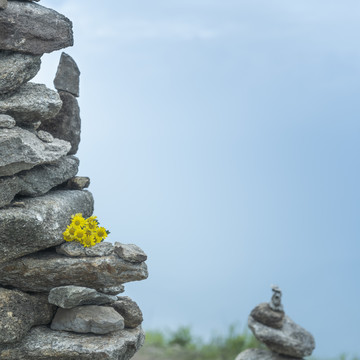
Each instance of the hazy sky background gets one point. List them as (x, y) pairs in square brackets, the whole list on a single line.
[(222, 137)]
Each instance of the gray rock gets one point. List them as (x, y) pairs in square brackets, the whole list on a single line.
[(129, 310), (45, 136), (7, 121), (70, 296), (39, 224), (275, 302), (16, 69), (3, 4), (88, 319), (72, 249), (31, 28), (31, 103), (130, 252), (112, 290), (257, 354), (44, 343), (21, 150), (75, 249), (66, 125), (290, 340), (40, 272), (19, 312), (102, 249), (267, 316), (68, 75), (78, 183), (38, 180)]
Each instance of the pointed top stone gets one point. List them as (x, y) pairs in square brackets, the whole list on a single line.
[(68, 75)]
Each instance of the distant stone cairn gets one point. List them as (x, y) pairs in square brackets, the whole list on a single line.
[(284, 338)]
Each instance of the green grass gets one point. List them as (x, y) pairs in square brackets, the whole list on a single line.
[(181, 344)]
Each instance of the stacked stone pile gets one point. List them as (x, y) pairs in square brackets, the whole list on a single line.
[(57, 300), (285, 339)]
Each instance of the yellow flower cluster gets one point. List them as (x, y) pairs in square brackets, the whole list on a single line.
[(85, 231)]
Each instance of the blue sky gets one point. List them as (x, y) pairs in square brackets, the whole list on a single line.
[(222, 138)]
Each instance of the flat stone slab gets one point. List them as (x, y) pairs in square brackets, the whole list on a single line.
[(129, 310), (66, 125), (113, 290), (71, 296), (30, 104), (67, 75), (130, 252), (19, 312), (31, 28), (38, 180), (88, 319), (257, 354), (75, 249), (290, 340), (16, 69), (44, 343), (21, 150), (45, 270), (267, 316), (39, 224)]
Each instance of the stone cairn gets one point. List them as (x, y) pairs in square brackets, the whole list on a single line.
[(284, 338), (58, 300)]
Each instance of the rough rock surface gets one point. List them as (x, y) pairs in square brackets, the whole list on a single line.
[(20, 311), (70, 296), (130, 252), (45, 270), (16, 69), (72, 248), (45, 136), (39, 224), (129, 310), (38, 180), (7, 121), (88, 319), (257, 354), (3, 4), (265, 315), (31, 28), (43, 343), (102, 249), (75, 249), (68, 75), (21, 150), (31, 103), (290, 340), (78, 183), (66, 125), (112, 290)]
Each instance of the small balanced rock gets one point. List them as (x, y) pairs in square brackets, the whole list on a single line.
[(270, 314)]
